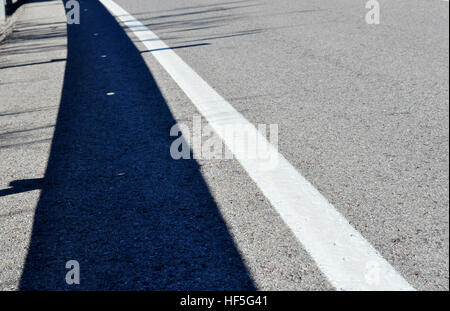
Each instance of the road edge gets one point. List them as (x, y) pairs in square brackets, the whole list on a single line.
[(7, 28)]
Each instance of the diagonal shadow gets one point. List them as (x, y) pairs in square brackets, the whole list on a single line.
[(24, 185), (33, 64), (112, 197)]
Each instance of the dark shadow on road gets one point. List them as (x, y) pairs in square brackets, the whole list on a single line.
[(214, 6), (225, 36), (112, 197), (20, 186), (177, 47), (187, 23), (34, 63), (15, 113)]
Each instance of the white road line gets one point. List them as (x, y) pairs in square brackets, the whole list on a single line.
[(343, 255)]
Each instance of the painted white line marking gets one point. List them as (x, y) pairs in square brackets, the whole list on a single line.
[(343, 255)]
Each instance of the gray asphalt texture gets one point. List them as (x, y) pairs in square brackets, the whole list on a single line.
[(32, 63), (362, 112)]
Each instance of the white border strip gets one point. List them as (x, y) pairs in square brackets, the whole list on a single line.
[(343, 255)]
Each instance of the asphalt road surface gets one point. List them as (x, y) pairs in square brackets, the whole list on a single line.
[(362, 113)]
